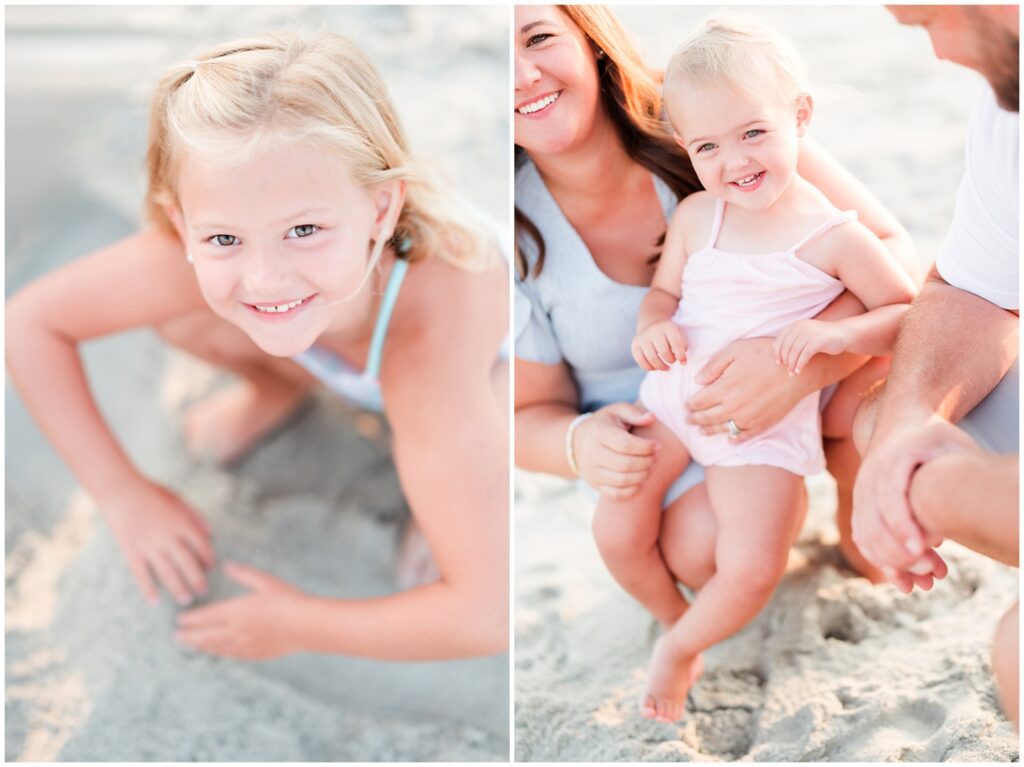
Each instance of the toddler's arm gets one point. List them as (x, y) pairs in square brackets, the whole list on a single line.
[(872, 275), (659, 342), (137, 281)]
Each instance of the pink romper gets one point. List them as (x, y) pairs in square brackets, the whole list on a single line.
[(727, 296)]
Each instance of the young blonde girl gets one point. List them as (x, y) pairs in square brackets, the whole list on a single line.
[(292, 238), (759, 253)]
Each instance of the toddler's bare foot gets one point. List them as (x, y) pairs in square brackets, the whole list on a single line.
[(670, 681), (226, 424), (415, 565), (852, 556)]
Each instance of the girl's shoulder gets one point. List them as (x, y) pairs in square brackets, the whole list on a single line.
[(447, 317), (695, 215)]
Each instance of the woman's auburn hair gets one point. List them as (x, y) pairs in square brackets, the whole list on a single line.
[(316, 89), (631, 96)]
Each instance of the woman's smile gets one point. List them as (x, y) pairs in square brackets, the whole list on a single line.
[(538, 106)]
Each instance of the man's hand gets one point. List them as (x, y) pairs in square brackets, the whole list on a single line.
[(884, 527)]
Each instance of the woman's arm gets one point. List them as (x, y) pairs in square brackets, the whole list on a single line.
[(140, 280), (843, 190)]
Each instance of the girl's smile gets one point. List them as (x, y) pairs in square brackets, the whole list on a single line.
[(266, 273)]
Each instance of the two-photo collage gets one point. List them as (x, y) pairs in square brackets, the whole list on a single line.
[(512, 383)]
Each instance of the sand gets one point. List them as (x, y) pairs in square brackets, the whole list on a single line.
[(833, 669), (92, 671)]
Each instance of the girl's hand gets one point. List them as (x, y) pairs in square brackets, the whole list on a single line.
[(659, 345), (801, 340), (743, 383), (255, 626), (159, 534), (611, 459)]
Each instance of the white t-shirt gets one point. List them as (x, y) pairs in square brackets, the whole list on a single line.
[(982, 253)]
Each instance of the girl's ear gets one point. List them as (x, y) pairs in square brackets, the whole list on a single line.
[(177, 219), (388, 199), (804, 109)]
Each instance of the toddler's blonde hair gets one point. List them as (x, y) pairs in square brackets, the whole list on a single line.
[(318, 90), (742, 54)]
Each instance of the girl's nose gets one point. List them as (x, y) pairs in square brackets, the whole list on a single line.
[(266, 274), (527, 73)]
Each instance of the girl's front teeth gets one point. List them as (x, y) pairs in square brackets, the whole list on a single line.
[(539, 104), (748, 180), (279, 308)]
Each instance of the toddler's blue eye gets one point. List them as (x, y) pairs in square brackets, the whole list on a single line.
[(705, 147), (753, 133), (224, 240), (304, 230)]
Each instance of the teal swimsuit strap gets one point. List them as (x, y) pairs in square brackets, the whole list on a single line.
[(387, 306)]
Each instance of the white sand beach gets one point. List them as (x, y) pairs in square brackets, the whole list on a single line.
[(834, 669), (93, 673)]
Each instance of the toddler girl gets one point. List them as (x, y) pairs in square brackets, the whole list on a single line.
[(293, 238), (759, 253)]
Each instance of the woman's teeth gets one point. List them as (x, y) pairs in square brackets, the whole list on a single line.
[(539, 104), (279, 307)]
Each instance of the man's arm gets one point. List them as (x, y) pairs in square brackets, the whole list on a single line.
[(953, 348)]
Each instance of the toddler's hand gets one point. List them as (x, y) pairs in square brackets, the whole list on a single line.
[(801, 340), (255, 626), (160, 535), (659, 345)]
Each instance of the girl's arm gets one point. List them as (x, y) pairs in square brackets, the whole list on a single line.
[(140, 280), (659, 342), (843, 190), (869, 272)]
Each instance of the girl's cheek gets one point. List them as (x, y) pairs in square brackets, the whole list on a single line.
[(216, 281)]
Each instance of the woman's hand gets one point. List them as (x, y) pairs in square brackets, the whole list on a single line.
[(611, 459), (255, 626), (801, 340), (161, 535), (743, 383), (659, 345)]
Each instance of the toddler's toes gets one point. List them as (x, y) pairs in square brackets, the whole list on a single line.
[(649, 708)]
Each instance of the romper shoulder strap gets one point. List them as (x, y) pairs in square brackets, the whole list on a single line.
[(716, 225), (387, 305), (841, 218)]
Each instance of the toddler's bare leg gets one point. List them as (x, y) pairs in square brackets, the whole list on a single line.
[(1006, 660), (626, 532), (757, 508), (230, 421), (844, 460)]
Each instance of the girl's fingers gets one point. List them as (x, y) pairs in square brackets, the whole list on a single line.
[(143, 578), (664, 350), (678, 345), (188, 566), (805, 357), (170, 578)]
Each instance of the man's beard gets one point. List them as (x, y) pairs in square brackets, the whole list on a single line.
[(1002, 68)]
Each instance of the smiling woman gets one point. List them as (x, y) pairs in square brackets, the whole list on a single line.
[(295, 240)]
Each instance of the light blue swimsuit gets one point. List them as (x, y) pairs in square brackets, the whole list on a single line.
[(360, 387)]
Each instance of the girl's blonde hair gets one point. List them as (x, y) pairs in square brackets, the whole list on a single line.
[(318, 90), (741, 53)]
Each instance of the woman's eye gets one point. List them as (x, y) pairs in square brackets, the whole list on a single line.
[(224, 240), (303, 230), (705, 147), (753, 133), (535, 39)]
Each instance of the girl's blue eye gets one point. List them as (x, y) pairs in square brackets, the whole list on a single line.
[(304, 230), (705, 147), (753, 133), (219, 239)]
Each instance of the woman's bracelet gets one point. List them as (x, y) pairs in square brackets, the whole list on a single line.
[(570, 454)]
